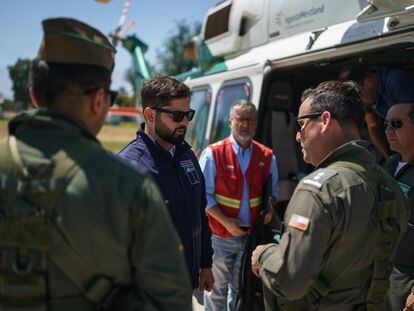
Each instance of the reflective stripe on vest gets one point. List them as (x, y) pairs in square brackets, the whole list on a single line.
[(227, 201), (254, 202), (234, 203)]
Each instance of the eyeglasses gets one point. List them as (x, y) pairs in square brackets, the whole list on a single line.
[(177, 116), (113, 94), (395, 123), (306, 116), (249, 121)]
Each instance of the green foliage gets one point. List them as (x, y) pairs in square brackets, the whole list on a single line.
[(19, 74), (124, 100), (8, 104), (171, 56)]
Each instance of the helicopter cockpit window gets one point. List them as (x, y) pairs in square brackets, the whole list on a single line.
[(196, 130), (225, 98)]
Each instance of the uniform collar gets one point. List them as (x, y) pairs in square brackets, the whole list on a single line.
[(353, 151), (43, 117), (396, 158)]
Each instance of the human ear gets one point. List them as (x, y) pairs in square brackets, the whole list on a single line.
[(96, 101), (149, 115), (326, 118)]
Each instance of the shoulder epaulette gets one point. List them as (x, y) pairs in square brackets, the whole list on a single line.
[(319, 177)]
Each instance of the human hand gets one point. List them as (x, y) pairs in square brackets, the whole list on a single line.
[(268, 217), (232, 227), (369, 92), (206, 280), (409, 304), (255, 260)]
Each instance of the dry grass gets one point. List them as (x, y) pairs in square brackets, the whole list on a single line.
[(116, 137), (3, 128), (113, 138)]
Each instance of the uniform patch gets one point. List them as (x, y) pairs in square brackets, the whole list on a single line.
[(318, 178), (191, 172), (299, 222), (230, 166), (405, 188)]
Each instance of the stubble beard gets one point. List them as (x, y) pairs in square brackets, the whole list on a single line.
[(242, 138), (165, 133)]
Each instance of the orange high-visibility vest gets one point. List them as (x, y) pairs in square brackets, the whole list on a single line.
[(229, 181)]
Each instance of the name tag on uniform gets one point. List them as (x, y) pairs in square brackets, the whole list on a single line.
[(191, 172), (299, 222)]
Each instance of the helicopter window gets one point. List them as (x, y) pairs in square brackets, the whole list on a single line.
[(217, 23), (196, 130), (225, 98)]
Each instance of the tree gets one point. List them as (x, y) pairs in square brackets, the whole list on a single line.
[(19, 74), (171, 56), (124, 100)]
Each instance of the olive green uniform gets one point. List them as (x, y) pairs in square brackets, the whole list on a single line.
[(402, 276), (326, 217), (109, 226)]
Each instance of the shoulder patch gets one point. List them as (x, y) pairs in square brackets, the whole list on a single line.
[(299, 222), (405, 188), (319, 177)]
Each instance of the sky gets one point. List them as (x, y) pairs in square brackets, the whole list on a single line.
[(21, 31)]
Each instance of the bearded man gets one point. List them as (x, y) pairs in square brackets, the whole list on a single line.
[(160, 148), (236, 170)]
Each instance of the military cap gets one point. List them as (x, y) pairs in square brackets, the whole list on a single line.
[(70, 41)]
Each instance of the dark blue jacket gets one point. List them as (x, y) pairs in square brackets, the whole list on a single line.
[(182, 184)]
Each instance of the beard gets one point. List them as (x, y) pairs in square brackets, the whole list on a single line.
[(168, 135), (244, 139)]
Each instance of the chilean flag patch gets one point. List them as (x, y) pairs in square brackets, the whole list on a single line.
[(299, 222)]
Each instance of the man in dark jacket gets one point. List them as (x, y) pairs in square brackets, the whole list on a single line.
[(161, 149), (399, 131)]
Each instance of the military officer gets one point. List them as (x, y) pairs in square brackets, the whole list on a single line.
[(330, 255), (80, 229), (399, 131)]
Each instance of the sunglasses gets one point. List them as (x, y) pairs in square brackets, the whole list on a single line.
[(113, 94), (306, 116), (394, 123), (177, 116)]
